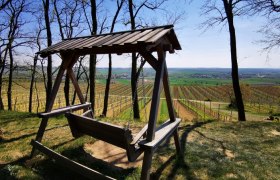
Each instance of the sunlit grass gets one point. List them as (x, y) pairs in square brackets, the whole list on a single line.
[(210, 149)]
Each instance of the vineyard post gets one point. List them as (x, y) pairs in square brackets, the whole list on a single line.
[(120, 103), (219, 112), (204, 110), (15, 104), (230, 114)]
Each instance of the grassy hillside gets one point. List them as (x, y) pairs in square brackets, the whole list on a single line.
[(211, 150)]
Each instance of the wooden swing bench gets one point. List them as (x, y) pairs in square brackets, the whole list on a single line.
[(144, 41)]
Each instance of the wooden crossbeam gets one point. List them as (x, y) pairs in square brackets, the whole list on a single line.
[(63, 110), (73, 165)]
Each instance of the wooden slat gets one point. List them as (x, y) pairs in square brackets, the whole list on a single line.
[(79, 44), (68, 45), (92, 41), (87, 113), (120, 42), (64, 161), (136, 37), (163, 131), (107, 40), (99, 41), (110, 133), (148, 36), (109, 43), (157, 36), (139, 135), (63, 110), (54, 46)]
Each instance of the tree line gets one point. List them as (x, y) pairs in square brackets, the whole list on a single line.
[(29, 26)]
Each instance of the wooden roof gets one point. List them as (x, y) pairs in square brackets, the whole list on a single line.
[(119, 42)]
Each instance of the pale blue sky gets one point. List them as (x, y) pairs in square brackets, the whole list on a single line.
[(211, 49)]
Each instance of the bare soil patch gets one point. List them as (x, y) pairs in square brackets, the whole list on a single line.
[(111, 154), (183, 112), (275, 132)]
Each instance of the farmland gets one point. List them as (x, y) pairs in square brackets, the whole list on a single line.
[(206, 94), (214, 145)]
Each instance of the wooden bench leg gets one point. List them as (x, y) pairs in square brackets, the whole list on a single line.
[(147, 163), (177, 142), (40, 133)]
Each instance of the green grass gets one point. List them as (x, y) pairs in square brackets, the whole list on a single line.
[(210, 150)]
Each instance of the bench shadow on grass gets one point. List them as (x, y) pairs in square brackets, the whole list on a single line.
[(53, 170), (180, 162), (49, 169)]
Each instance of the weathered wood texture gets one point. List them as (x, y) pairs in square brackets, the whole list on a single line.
[(64, 161), (63, 110), (118, 42), (145, 41)]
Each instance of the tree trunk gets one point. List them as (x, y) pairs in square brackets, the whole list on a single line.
[(134, 68), (32, 83), (234, 73), (134, 87), (66, 89), (2, 65), (107, 89), (108, 81), (49, 43), (10, 83), (92, 73), (93, 58)]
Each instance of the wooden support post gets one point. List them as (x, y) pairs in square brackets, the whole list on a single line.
[(76, 85), (156, 97), (67, 62), (170, 107), (168, 94), (148, 154), (147, 163)]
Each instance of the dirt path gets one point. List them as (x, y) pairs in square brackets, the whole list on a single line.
[(111, 154), (183, 112)]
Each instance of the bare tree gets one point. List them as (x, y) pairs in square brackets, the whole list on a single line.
[(68, 15), (271, 30), (108, 81), (93, 57), (14, 11), (134, 7), (46, 6), (35, 60), (225, 11), (4, 3)]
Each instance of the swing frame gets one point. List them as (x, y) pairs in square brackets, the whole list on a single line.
[(144, 41)]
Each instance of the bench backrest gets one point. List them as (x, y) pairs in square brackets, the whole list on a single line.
[(107, 132)]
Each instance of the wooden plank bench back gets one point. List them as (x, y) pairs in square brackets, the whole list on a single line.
[(107, 132)]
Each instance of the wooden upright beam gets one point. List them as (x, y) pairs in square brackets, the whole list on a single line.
[(148, 154), (156, 96), (168, 94), (67, 62), (76, 85), (170, 107)]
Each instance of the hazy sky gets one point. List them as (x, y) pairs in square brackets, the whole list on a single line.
[(211, 48)]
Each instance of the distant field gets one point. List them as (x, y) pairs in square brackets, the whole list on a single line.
[(190, 87)]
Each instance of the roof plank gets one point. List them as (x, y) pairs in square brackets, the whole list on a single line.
[(117, 42)]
